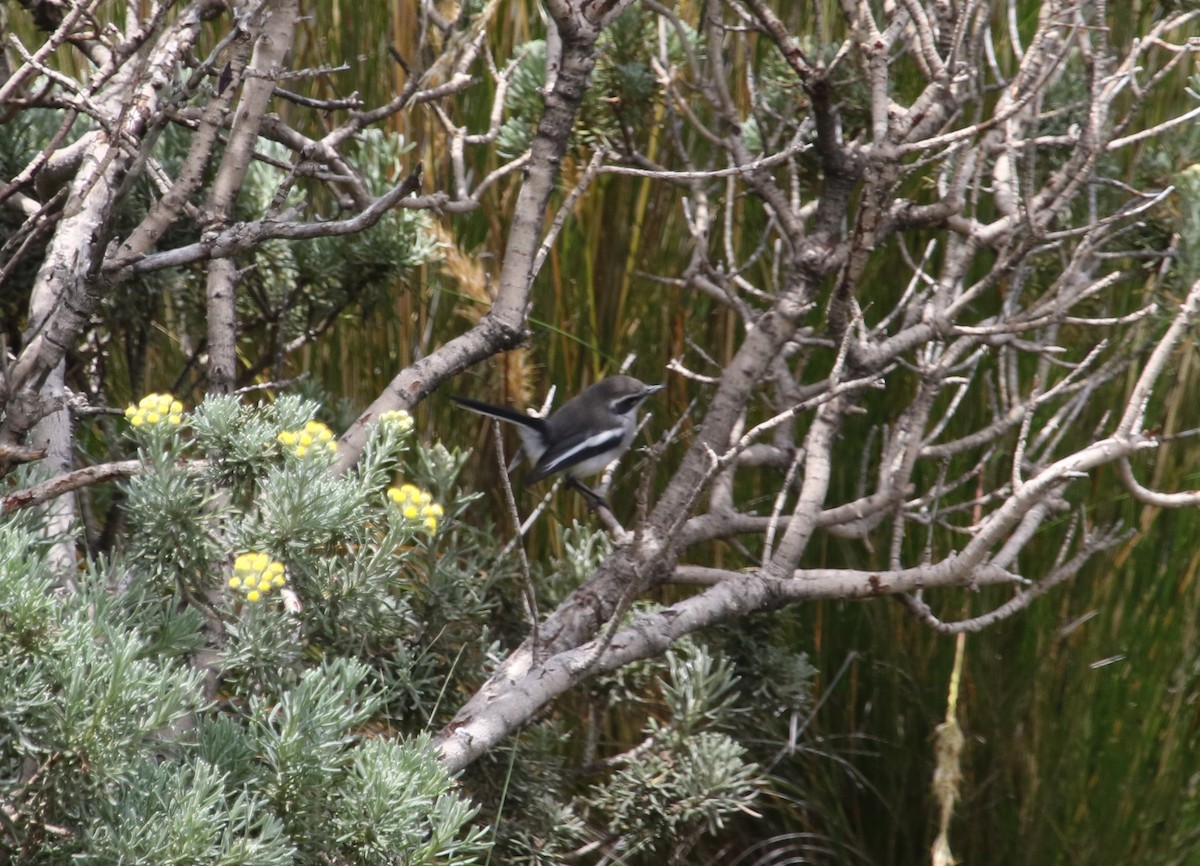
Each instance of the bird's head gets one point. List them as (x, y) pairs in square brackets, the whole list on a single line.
[(624, 394)]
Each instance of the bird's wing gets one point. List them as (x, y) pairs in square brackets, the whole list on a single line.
[(574, 450)]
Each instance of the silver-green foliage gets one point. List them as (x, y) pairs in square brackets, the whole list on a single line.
[(625, 91), (150, 713), (153, 714), (300, 285), (688, 775), (183, 814)]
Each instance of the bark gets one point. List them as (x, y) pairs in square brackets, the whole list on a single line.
[(930, 333), (69, 284), (971, 175), (504, 326), (257, 80)]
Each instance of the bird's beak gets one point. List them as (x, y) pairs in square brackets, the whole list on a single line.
[(653, 389)]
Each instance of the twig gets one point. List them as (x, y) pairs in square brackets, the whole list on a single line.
[(89, 475), (527, 587)]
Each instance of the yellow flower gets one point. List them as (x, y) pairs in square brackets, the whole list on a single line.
[(155, 409), (397, 418), (416, 504), (313, 437), (431, 513), (405, 494), (256, 574), (318, 431)]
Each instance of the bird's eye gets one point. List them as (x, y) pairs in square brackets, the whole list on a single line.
[(626, 404)]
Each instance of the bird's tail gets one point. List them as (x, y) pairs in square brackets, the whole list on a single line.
[(500, 412), (532, 430)]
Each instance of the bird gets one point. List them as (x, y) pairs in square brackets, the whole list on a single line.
[(587, 433)]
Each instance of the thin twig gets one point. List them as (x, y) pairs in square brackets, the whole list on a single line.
[(527, 587)]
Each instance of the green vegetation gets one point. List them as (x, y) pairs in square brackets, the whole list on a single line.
[(152, 712)]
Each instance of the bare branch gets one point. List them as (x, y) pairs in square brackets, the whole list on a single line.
[(229, 242), (56, 487)]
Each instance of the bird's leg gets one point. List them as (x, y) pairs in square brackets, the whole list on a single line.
[(594, 500)]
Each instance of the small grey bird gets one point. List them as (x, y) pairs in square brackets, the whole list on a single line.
[(590, 431)]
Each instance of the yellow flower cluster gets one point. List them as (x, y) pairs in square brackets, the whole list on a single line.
[(256, 574), (155, 409), (399, 418), (313, 438), (416, 504)]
